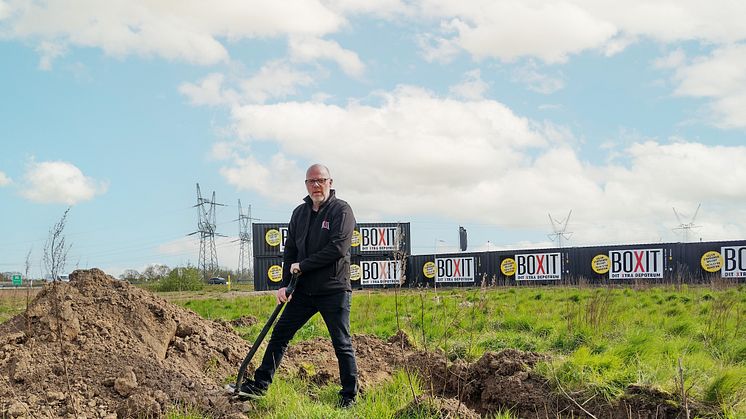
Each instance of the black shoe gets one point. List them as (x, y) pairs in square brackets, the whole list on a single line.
[(249, 391), (346, 402)]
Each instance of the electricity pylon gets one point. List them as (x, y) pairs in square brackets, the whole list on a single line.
[(245, 239), (208, 255), (686, 227), (560, 229)]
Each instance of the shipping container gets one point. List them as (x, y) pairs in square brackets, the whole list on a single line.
[(372, 239), (267, 273)]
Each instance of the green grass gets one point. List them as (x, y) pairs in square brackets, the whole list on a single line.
[(13, 301), (602, 340)]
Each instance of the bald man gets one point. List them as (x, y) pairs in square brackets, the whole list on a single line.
[(318, 250)]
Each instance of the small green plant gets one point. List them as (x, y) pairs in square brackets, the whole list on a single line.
[(181, 279)]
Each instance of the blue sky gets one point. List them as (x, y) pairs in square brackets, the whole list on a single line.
[(485, 114)]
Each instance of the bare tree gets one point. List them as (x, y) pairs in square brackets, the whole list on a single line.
[(29, 284), (55, 257), (55, 249)]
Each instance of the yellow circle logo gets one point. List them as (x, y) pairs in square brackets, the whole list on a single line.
[(355, 272), (274, 273), (600, 264), (507, 266), (428, 269), (356, 238), (712, 261), (273, 237)]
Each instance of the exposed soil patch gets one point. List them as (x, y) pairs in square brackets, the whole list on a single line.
[(244, 321), (113, 350), (436, 407), (101, 348)]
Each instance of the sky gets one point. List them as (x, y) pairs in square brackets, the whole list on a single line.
[(488, 114)]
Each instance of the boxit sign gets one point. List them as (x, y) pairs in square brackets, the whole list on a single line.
[(454, 269), (734, 261), (380, 272), (636, 263), (378, 239), (538, 266)]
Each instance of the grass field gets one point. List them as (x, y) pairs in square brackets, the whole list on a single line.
[(602, 339)]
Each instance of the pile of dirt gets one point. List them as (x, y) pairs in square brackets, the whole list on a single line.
[(101, 348)]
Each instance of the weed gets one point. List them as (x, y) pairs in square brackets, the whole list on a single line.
[(726, 386)]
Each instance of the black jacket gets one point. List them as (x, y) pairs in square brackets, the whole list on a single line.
[(324, 255)]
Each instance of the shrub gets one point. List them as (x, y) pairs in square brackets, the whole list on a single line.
[(181, 279)]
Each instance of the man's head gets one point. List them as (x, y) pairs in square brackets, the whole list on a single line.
[(318, 184)]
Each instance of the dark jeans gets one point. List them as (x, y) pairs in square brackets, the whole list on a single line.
[(335, 310)]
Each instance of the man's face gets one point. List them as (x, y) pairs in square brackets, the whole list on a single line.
[(318, 185)]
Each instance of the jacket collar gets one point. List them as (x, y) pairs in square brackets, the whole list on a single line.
[(332, 197)]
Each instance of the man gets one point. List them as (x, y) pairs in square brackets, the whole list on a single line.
[(317, 249)]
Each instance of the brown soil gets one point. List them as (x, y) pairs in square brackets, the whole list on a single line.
[(117, 351), (244, 321), (436, 407), (120, 351)]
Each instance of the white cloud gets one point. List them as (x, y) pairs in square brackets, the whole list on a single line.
[(4, 180), (278, 177), (417, 153), (381, 8), (672, 60), (538, 82), (511, 29), (436, 48), (188, 30), (472, 87), (720, 78), (668, 21), (59, 182), (49, 51), (209, 91), (276, 79), (4, 10), (552, 31), (198, 32), (311, 49)]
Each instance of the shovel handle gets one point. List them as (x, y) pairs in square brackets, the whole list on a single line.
[(278, 308)]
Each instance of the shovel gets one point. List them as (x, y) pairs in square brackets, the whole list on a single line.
[(242, 370)]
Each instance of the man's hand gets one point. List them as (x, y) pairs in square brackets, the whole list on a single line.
[(281, 296), (295, 268)]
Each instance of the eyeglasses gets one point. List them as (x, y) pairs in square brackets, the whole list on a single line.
[(319, 181)]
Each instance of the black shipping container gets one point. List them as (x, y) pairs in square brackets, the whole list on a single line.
[(269, 238), (373, 239), (267, 273)]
